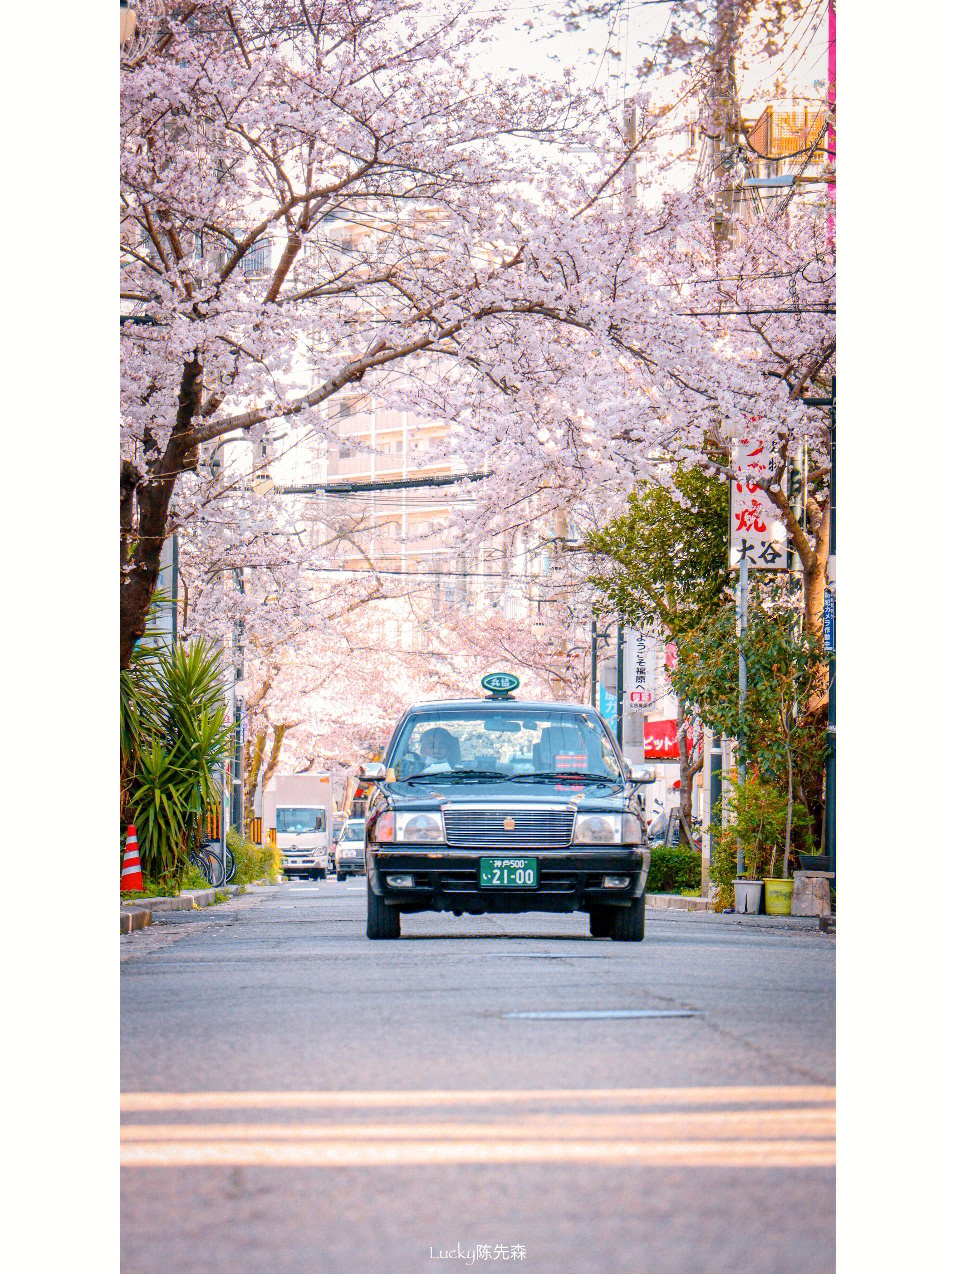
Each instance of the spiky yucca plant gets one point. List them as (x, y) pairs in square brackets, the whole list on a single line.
[(174, 736)]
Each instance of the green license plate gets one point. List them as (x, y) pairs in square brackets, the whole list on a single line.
[(508, 873)]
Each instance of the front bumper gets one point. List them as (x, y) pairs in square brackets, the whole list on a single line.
[(447, 879), (304, 863), (350, 866)]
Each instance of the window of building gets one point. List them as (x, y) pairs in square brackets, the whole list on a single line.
[(257, 259)]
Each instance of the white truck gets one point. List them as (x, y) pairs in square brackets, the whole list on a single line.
[(299, 807)]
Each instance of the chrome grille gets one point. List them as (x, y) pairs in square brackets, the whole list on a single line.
[(480, 828)]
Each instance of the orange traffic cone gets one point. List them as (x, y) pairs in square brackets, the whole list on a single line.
[(131, 877)]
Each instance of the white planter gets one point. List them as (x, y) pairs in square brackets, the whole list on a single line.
[(748, 895)]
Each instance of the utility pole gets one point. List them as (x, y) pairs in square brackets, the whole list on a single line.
[(620, 682), (829, 825), (237, 776), (831, 103), (711, 800), (741, 689), (829, 640), (830, 810), (594, 663)]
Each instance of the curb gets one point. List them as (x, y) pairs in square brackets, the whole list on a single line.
[(134, 918), (677, 902), (138, 913)]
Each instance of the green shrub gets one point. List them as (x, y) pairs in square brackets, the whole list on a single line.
[(253, 862), (723, 864), (758, 814), (169, 886), (174, 735), (672, 870)]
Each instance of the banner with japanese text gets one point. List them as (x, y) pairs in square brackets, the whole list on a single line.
[(757, 531)]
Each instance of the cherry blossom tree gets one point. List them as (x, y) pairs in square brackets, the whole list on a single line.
[(326, 199), (361, 142)]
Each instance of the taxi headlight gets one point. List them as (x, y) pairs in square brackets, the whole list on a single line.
[(597, 829), (420, 827), (632, 834), (382, 827)]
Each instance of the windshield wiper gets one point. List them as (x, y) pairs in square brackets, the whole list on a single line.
[(443, 776), (564, 774)]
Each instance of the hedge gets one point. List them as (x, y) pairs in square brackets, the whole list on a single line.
[(672, 870), (253, 862)]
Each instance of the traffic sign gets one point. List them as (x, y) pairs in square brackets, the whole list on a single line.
[(829, 621)]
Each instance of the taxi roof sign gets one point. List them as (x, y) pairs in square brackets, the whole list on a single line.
[(500, 684)]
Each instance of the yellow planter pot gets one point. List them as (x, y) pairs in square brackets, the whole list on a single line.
[(777, 896)]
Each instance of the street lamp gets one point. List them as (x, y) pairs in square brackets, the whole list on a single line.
[(127, 22), (142, 29)]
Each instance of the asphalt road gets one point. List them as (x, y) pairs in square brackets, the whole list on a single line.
[(299, 1100)]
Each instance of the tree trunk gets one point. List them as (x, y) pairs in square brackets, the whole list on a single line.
[(812, 553), (140, 573), (278, 734), (815, 572), (253, 764), (142, 543), (688, 769)]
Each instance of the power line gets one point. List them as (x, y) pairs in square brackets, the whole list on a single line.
[(545, 582), (389, 484)]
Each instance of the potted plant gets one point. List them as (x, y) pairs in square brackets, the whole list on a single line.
[(765, 821), (748, 895), (778, 892)]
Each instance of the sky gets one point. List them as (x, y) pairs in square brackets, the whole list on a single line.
[(606, 52)]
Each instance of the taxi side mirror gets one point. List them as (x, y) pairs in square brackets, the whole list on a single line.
[(640, 774), (372, 772)]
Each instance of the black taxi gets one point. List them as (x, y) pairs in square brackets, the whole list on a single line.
[(502, 805)]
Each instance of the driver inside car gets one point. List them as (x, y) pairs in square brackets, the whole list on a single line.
[(438, 754), (439, 750)]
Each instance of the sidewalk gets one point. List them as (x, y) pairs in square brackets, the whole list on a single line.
[(137, 914), (677, 902), (703, 908)]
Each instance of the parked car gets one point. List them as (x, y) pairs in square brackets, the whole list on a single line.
[(498, 805), (350, 850)]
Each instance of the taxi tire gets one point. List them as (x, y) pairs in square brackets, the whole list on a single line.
[(627, 923), (599, 922), (383, 921), (340, 876), (320, 874)]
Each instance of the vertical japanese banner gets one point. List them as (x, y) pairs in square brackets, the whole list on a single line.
[(757, 531), (607, 705), (642, 650)]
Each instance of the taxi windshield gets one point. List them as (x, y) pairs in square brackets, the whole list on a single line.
[(503, 741)]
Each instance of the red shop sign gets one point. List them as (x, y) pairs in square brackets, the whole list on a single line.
[(660, 741)]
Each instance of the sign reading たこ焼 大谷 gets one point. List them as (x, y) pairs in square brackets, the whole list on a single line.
[(756, 530)]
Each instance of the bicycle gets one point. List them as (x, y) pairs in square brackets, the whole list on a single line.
[(210, 864), (228, 866)]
